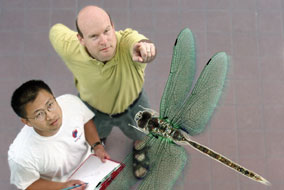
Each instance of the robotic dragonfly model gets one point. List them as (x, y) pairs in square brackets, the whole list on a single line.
[(148, 123), (181, 114)]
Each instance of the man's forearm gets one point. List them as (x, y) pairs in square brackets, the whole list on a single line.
[(91, 133), (42, 184)]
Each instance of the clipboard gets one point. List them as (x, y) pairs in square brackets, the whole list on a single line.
[(98, 175)]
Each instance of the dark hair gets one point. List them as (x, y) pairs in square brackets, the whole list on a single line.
[(26, 93), (78, 29)]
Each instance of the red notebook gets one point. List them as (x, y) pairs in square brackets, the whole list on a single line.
[(98, 175)]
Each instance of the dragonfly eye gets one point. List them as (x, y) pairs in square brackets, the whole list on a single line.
[(144, 118), (146, 115), (142, 124)]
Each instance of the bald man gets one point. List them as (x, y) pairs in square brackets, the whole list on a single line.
[(108, 67)]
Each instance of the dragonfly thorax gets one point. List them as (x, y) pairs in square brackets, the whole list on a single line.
[(157, 127)]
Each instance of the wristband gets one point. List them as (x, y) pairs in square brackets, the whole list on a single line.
[(95, 144)]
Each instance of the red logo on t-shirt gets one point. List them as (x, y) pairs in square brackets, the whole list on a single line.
[(75, 133)]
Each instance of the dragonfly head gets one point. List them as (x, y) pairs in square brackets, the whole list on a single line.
[(142, 117)]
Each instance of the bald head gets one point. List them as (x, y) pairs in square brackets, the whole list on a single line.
[(96, 33), (89, 15)]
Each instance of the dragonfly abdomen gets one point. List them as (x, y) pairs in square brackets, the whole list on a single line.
[(227, 162)]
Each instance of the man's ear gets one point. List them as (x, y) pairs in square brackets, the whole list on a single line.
[(81, 39), (25, 121), (112, 25)]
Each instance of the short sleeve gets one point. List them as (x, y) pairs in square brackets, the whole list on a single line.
[(75, 103), (21, 176), (129, 37), (87, 114)]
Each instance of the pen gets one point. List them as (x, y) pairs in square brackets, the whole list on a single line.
[(73, 187), (98, 184)]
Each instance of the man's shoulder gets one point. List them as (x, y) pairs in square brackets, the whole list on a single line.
[(126, 31), (23, 146), (60, 31), (57, 27), (63, 39), (129, 36), (68, 97), (69, 100), (60, 28)]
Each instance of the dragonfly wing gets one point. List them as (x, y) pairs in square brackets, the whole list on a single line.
[(199, 106), (167, 161), (181, 75), (126, 179)]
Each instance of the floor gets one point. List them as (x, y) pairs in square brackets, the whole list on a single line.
[(248, 124)]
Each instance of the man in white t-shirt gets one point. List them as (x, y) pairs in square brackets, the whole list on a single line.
[(56, 138)]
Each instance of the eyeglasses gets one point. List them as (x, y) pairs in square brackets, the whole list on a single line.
[(41, 115)]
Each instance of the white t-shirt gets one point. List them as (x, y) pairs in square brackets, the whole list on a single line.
[(54, 158)]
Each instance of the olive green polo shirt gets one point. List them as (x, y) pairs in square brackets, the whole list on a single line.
[(109, 87)]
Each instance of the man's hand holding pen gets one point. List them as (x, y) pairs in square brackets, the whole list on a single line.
[(75, 185)]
